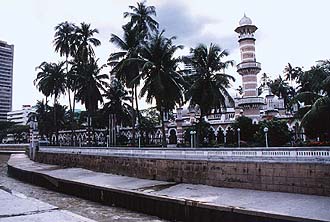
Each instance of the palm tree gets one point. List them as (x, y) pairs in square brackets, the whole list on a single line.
[(42, 116), (264, 80), (292, 73), (51, 82), (63, 43), (118, 108), (124, 70), (314, 90), (89, 84), (210, 83), (162, 82), (83, 53), (141, 18), (84, 42), (281, 88)]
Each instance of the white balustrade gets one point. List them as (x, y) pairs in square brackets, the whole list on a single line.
[(258, 154)]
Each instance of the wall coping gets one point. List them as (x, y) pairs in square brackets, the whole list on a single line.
[(297, 154)]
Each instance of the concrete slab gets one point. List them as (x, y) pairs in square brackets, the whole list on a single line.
[(13, 205), (276, 203), (104, 179), (52, 216), (84, 176), (16, 207)]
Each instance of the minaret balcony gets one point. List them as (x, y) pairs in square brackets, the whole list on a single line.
[(246, 36), (248, 65), (250, 101)]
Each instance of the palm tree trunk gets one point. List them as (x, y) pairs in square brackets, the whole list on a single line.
[(70, 106), (55, 122), (163, 128), (133, 119), (199, 129), (137, 104), (68, 87)]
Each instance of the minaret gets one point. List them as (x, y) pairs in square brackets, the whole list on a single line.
[(248, 69)]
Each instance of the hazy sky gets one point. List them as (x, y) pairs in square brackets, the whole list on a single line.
[(295, 31)]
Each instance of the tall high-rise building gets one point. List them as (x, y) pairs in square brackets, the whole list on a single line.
[(6, 79)]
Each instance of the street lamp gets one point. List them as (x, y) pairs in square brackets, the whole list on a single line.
[(239, 137), (192, 133), (266, 131), (224, 137)]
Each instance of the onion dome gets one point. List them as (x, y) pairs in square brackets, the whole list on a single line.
[(245, 21)]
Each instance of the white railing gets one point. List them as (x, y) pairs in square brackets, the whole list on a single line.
[(247, 35), (249, 65), (315, 154)]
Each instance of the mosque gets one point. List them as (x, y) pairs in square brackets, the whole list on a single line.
[(251, 103)]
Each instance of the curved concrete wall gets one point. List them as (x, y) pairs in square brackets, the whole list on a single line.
[(306, 178)]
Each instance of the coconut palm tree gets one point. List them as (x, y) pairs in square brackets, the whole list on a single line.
[(281, 88), (42, 116), (51, 82), (210, 83), (162, 83), (117, 108), (264, 80), (83, 53), (292, 73), (141, 18), (89, 84), (63, 43), (124, 70), (84, 42)]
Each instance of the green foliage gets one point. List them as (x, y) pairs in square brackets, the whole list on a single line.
[(118, 103), (19, 133), (314, 91), (278, 133), (149, 121), (209, 84), (4, 127), (162, 83), (317, 120), (281, 88), (44, 115), (205, 134), (247, 128)]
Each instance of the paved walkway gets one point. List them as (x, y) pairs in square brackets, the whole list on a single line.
[(296, 207), (15, 207)]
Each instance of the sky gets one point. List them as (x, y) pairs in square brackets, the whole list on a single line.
[(294, 31)]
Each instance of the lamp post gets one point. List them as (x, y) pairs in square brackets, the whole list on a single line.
[(266, 131), (139, 140), (224, 137), (192, 133), (239, 137)]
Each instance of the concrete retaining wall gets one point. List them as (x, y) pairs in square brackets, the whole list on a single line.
[(306, 178)]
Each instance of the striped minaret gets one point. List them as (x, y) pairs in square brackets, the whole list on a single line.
[(250, 103), (249, 67)]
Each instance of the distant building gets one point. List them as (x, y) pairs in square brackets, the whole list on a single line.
[(6, 79), (20, 117)]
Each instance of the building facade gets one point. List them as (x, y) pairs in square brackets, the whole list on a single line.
[(21, 116), (6, 79)]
